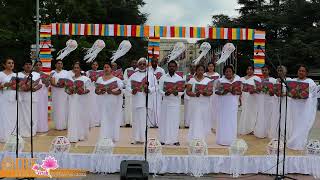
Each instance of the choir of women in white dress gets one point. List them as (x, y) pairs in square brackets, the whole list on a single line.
[(78, 107), (101, 102), (199, 103), (227, 109), (28, 104), (170, 106), (8, 105), (42, 101), (249, 113), (139, 99), (109, 90), (59, 97), (211, 74)]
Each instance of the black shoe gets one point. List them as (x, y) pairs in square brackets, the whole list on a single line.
[(162, 143), (187, 127), (128, 125), (176, 144)]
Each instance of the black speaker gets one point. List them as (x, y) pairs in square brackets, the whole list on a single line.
[(133, 169)]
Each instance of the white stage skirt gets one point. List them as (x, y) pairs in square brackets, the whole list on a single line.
[(97, 163)]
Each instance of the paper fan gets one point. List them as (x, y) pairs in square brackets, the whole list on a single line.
[(205, 48), (123, 48), (71, 46)]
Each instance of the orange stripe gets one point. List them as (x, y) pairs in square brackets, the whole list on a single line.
[(221, 33), (183, 31), (146, 31)]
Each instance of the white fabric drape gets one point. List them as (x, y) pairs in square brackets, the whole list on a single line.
[(97, 163)]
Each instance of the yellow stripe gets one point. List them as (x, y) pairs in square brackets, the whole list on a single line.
[(118, 30), (214, 33), (45, 35), (157, 31), (176, 31), (234, 33), (138, 31), (250, 34), (103, 29), (259, 61), (89, 29), (73, 29), (195, 32)]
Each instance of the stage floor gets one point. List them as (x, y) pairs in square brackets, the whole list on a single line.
[(42, 142)]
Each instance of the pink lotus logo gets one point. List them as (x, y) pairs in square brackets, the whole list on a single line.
[(50, 163)]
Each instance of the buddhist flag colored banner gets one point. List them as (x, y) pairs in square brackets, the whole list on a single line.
[(153, 48), (259, 50)]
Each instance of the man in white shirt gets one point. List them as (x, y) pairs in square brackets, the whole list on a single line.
[(170, 107)]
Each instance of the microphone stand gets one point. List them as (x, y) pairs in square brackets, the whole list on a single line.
[(282, 82)]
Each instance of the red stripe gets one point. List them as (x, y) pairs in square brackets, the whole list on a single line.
[(260, 40), (210, 33), (85, 29), (230, 33), (258, 57), (70, 29), (191, 32), (115, 29), (57, 28), (247, 33), (133, 30), (100, 30), (171, 31)]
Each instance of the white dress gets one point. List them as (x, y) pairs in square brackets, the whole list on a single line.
[(139, 105), (170, 112), (43, 109), (303, 116), (8, 108), (128, 98), (78, 113), (227, 111), (93, 101), (110, 111), (25, 108), (199, 107), (157, 99), (249, 112), (274, 126), (59, 101), (212, 121), (266, 112)]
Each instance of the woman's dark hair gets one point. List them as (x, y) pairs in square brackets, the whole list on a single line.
[(228, 67), (76, 63), (38, 62), (304, 66), (57, 60), (173, 62), (6, 60), (214, 65), (200, 65), (251, 65), (107, 62)]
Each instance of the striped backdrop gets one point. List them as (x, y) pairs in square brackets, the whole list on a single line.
[(154, 33)]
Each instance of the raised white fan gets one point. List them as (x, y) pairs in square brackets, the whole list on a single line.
[(92, 52), (226, 52), (71, 46), (178, 49), (204, 48), (123, 48)]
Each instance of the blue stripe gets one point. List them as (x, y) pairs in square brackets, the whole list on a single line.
[(76, 29), (121, 30), (180, 31), (106, 32), (238, 33), (141, 31), (198, 32), (258, 65), (153, 43), (161, 31), (218, 33), (45, 56), (60, 30)]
